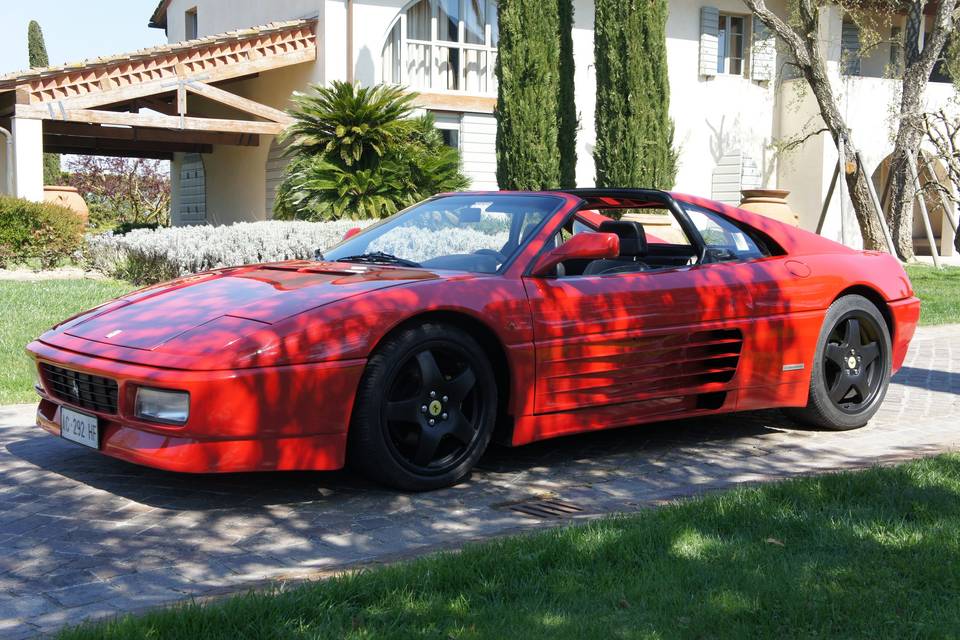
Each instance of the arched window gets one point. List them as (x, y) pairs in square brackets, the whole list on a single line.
[(444, 45)]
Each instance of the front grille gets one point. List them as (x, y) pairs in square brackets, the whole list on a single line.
[(81, 389)]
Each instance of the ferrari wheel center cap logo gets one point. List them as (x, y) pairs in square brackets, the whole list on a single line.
[(436, 408), (852, 362)]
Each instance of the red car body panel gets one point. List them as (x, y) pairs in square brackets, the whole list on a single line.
[(272, 354)]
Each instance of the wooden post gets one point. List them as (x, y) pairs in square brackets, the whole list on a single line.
[(826, 202), (912, 164), (876, 206)]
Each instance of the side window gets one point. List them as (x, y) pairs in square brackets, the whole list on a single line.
[(571, 230), (725, 241)]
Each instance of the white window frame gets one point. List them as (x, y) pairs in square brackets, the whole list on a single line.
[(436, 81), (745, 42), (449, 121)]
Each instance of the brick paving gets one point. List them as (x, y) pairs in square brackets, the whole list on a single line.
[(85, 536)]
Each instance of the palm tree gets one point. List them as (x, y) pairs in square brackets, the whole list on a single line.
[(358, 153)]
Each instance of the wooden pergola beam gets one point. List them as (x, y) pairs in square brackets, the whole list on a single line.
[(81, 130), (238, 102), (10, 100), (124, 148), (185, 123)]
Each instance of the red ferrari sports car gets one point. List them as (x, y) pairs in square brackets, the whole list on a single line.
[(515, 316)]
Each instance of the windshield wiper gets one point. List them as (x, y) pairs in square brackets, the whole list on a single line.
[(380, 257)]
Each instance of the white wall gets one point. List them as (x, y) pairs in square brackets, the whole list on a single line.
[(28, 158), (219, 16)]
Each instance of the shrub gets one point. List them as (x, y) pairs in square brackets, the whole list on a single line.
[(146, 256), (127, 227), (357, 153), (39, 231)]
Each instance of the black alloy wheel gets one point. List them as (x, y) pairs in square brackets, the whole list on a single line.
[(851, 367), (425, 410)]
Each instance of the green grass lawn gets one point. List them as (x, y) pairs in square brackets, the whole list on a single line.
[(872, 554), (940, 292), (29, 309)]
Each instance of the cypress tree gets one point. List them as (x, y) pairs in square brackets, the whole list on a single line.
[(634, 130), (567, 120), (37, 54), (36, 48), (528, 155)]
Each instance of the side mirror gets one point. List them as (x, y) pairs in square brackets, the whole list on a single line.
[(583, 246), (351, 232)]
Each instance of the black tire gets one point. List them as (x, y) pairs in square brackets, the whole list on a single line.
[(851, 367), (431, 373)]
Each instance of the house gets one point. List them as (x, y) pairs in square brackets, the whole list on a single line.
[(212, 100)]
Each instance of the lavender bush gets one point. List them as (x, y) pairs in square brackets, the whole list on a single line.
[(145, 256)]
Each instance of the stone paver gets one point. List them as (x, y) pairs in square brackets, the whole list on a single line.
[(84, 536)]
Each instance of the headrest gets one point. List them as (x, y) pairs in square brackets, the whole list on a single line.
[(633, 239)]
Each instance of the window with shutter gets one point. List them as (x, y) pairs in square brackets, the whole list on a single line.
[(709, 40), (193, 190), (735, 171), (764, 54), (896, 51), (850, 48)]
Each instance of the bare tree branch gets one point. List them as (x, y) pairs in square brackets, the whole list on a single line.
[(783, 30)]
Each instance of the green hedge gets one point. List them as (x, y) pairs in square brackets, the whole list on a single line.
[(37, 231)]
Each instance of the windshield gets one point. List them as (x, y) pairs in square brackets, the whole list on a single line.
[(477, 233)]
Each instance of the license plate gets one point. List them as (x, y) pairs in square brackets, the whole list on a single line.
[(79, 427)]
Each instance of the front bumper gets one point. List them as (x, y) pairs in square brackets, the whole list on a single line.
[(262, 419)]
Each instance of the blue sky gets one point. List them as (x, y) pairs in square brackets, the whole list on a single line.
[(75, 30)]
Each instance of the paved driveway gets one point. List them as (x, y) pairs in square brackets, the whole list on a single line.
[(86, 536)]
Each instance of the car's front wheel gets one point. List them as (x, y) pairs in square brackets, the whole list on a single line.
[(425, 408), (851, 367)]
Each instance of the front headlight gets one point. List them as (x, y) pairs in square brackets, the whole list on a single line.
[(162, 405)]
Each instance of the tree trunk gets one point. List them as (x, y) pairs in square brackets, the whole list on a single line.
[(918, 65), (870, 228), (867, 215)]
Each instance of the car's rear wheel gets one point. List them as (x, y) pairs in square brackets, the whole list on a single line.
[(851, 367), (425, 409)]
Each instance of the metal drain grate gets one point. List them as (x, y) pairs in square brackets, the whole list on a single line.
[(545, 508)]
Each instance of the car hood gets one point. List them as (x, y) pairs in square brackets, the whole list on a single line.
[(232, 301)]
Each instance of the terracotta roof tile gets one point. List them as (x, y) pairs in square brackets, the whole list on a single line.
[(7, 81)]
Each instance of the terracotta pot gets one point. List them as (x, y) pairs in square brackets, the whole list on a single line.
[(771, 203), (67, 197)]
